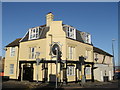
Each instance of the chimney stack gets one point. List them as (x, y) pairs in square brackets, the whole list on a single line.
[(49, 18)]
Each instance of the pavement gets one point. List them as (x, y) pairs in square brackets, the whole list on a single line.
[(26, 85)]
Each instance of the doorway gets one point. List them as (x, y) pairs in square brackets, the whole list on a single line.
[(27, 72)]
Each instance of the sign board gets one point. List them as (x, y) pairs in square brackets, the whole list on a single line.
[(55, 47), (38, 61)]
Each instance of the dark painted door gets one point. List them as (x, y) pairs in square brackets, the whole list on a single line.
[(27, 73), (46, 74)]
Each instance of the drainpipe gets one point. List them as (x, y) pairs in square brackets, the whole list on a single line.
[(92, 69), (17, 62)]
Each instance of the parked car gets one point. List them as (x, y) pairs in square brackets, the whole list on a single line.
[(4, 78), (117, 75), (1, 73)]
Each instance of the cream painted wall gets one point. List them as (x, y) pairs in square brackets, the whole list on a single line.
[(58, 35), (40, 72), (40, 47), (11, 60), (80, 49)]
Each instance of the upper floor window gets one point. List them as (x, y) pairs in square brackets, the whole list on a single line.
[(88, 38), (33, 33), (32, 54), (11, 68), (71, 32), (88, 54), (70, 52), (12, 51)]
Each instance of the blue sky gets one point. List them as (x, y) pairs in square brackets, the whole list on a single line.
[(100, 19)]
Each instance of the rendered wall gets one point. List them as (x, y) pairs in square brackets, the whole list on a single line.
[(11, 60)]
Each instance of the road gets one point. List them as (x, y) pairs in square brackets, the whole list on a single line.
[(25, 85)]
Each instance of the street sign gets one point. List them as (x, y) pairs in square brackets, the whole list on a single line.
[(37, 54), (38, 61)]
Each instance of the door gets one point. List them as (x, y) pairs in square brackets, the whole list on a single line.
[(45, 69), (46, 74), (27, 73)]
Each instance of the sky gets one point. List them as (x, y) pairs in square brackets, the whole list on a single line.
[(100, 19)]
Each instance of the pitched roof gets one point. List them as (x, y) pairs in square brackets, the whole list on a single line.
[(43, 32), (78, 36), (100, 51), (14, 43), (45, 29)]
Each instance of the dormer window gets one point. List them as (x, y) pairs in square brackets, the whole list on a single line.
[(33, 33), (71, 32), (88, 38)]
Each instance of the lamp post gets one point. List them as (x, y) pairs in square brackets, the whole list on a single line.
[(82, 62), (113, 56), (55, 51), (56, 66), (37, 62), (50, 51)]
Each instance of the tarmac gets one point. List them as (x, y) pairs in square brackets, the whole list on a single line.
[(26, 85)]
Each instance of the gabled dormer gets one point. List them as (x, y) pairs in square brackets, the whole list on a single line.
[(70, 31), (86, 37), (35, 33), (77, 35)]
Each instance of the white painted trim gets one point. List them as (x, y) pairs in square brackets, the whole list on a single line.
[(73, 70), (11, 48), (23, 36), (11, 69), (101, 75), (74, 33)]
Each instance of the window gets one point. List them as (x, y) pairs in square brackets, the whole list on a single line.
[(70, 52), (11, 68), (88, 54), (32, 54), (33, 33), (88, 70), (88, 38), (70, 70), (71, 32), (12, 51)]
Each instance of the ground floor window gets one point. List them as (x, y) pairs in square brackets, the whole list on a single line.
[(11, 68), (88, 70), (70, 70)]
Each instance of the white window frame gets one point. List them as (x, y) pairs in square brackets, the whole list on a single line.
[(32, 55), (34, 33), (11, 68), (71, 32), (70, 70), (70, 52), (12, 51), (88, 54), (88, 70), (88, 38)]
